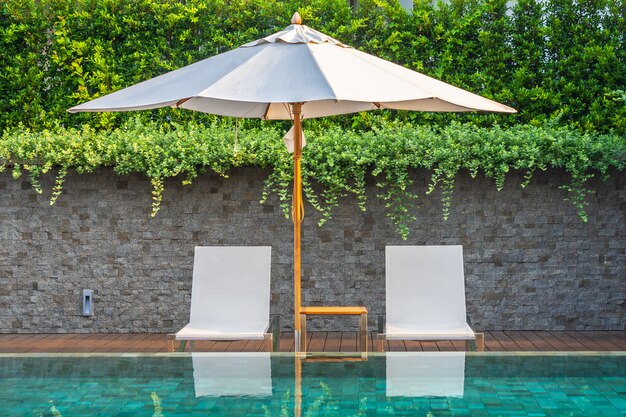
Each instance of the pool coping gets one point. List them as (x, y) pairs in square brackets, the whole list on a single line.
[(336, 355)]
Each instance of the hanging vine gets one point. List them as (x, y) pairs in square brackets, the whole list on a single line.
[(336, 162)]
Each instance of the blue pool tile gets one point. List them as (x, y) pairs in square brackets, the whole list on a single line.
[(490, 386)]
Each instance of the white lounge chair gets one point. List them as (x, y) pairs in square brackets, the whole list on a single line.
[(425, 374), (230, 295), (230, 374), (425, 300)]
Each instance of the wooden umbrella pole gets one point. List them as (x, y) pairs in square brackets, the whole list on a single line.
[(297, 213)]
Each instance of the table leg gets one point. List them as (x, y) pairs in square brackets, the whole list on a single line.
[(302, 332), (363, 333)]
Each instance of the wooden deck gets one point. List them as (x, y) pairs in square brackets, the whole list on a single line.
[(318, 342)]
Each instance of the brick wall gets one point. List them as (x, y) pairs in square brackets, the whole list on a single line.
[(530, 263)]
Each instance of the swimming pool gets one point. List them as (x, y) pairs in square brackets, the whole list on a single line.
[(259, 384)]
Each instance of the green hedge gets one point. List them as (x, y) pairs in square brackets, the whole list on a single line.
[(335, 161), (557, 59)]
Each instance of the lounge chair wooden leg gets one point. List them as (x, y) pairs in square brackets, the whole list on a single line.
[(380, 338), (268, 339), (276, 334), (480, 342), (477, 344), (171, 338), (171, 344), (380, 342)]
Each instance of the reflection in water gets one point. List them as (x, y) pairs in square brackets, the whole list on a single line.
[(326, 398), (285, 385), (425, 374), (156, 403), (297, 406), (232, 375)]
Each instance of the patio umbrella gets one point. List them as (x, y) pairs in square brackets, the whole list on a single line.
[(293, 74)]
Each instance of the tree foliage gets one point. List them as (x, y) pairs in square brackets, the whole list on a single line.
[(547, 58)]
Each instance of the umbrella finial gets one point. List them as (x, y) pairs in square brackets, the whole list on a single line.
[(296, 19)]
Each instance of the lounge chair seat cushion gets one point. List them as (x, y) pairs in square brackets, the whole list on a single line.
[(399, 332), (190, 332)]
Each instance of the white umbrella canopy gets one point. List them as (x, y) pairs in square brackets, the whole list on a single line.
[(293, 74), (297, 65)]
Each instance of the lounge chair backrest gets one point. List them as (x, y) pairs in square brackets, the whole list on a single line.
[(231, 287), (425, 287)]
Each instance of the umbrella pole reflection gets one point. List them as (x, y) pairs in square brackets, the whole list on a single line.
[(297, 403), (297, 214), (300, 357)]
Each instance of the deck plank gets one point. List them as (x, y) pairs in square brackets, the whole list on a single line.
[(445, 345), (348, 342), (499, 341), (238, 345), (221, 346), (556, 342), (333, 342), (318, 341), (429, 346), (30, 343), (396, 346), (616, 338), (459, 345), (151, 343), (52, 342), (413, 346), (519, 339), (252, 346), (538, 342), (589, 341), (265, 346), (286, 342), (124, 343), (492, 343), (94, 344), (569, 341), (600, 340)]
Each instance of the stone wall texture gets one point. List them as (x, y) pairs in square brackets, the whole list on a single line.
[(530, 263)]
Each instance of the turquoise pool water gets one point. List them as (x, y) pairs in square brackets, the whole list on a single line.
[(403, 384)]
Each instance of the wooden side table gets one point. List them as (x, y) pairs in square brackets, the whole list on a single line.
[(335, 310)]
